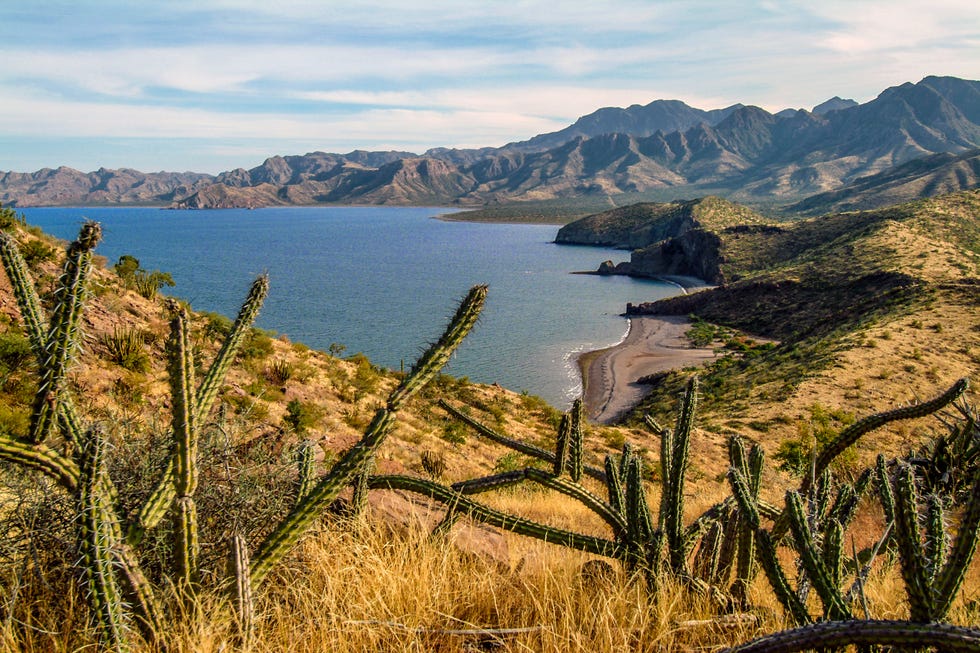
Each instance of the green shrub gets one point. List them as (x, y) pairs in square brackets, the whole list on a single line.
[(258, 345), (145, 282), (15, 351), (301, 416), (36, 252)]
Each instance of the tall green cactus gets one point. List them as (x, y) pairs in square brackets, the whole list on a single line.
[(63, 331), (673, 460), (95, 545), (933, 570)]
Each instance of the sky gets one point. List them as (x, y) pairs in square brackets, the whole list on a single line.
[(212, 85)]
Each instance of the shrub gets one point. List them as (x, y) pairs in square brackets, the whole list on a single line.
[(36, 252), (15, 351), (145, 282), (126, 347), (301, 416)]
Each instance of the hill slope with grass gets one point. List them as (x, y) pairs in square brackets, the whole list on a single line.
[(866, 307)]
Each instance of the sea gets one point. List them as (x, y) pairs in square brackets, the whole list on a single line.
[(384, 281)]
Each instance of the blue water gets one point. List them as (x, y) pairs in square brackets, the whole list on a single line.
[(383, 281)]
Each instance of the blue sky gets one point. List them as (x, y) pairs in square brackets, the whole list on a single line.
[(210, 85)]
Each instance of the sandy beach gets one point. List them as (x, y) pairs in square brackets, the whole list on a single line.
[(653, 344)]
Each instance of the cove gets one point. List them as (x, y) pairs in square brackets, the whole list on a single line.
[(383, 281)]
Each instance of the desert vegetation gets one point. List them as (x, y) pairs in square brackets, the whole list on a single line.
[(165, 518)]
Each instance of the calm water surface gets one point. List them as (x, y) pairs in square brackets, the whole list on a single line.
[(383, 281)]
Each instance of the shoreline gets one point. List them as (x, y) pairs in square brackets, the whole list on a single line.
[(652, 344)]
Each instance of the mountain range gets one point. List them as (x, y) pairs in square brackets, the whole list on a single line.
[(839, 154)]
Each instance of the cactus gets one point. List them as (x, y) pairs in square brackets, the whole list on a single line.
[(106, 540), (637, 540), (165, 491), (180, 366), (516, 445), (750, 474)]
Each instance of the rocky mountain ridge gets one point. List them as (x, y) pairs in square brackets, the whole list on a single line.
[(741, 152)]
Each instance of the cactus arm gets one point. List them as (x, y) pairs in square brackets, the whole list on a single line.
[(673, 490), (305, 463), (576, 441), (240, 587), (95, 546), (831, 635), (921, 604), (511, 443), (833, 558), (487, 483), (486, 515), (614, 487), (884, 489), (155, 507), (834, 605), (437, 356), (63, 331), (41, 458), (637, 509), (582, 495), (301, 517), (561, 444), (852, 433), (216, 373), (26, 295), (962, 551), (936, 540), (140, 594), (285, 535), (359, 496), (180, 367), (769, 561)]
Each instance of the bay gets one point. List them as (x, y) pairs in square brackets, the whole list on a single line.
[(383, 281)]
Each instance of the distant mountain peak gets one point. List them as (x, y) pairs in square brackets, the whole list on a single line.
[(835, 103)]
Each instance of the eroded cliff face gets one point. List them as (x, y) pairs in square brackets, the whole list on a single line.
[(695, 253)]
